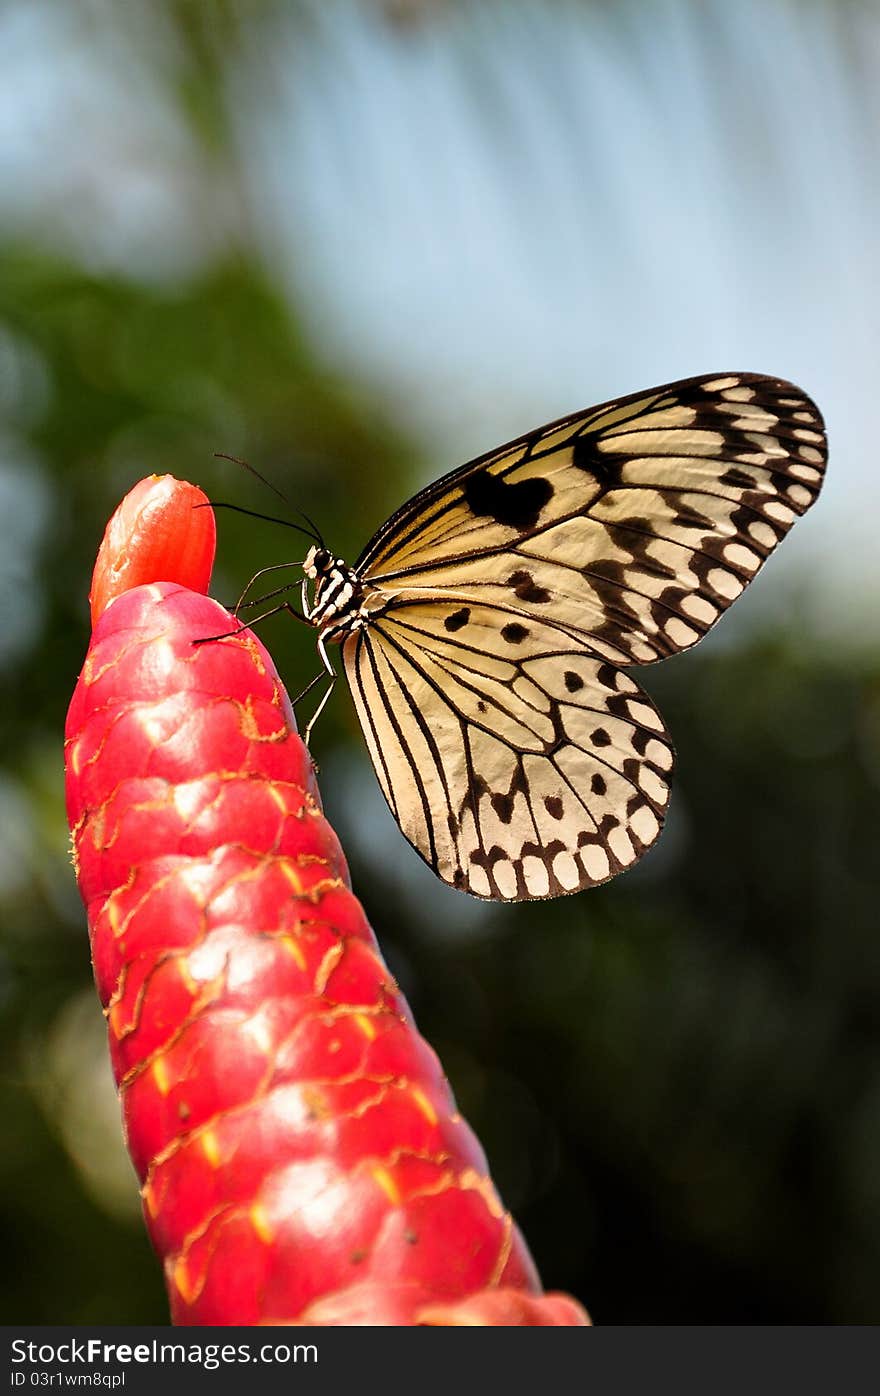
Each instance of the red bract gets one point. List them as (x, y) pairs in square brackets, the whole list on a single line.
[(301, 1155)]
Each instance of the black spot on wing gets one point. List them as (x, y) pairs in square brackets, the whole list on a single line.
[(598, 785), (516, 504), (503, 807), (600, 737), (457, 619), (606, 469), (554, 807), (526, 589), (514, 633), (688, 517), (737, 478), (606, 675), (573, 681), (639, 741)]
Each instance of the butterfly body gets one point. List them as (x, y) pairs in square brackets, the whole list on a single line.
[(486, 627), (336, 607)]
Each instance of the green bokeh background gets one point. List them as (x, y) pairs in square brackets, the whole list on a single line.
[(676, 1077)]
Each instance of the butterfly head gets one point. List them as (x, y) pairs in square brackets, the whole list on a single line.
[(318, 562), (335, 604)]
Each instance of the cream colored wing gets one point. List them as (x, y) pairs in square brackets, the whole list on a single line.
[(516, 756), (633, 525), (515, 763)]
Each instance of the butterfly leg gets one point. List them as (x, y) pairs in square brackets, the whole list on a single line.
[(270, 596), (241, 604), (227, 634), (329, 674)]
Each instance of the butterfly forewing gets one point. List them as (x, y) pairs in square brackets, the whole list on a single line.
[(516, 756)]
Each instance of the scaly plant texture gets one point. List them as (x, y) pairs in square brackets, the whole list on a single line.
[(299, 1149)]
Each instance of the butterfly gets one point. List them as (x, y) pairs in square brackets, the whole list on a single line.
[(487, 628)]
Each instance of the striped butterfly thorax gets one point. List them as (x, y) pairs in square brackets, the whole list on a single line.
[(486, 628)]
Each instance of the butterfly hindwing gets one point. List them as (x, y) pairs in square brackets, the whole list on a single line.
[(517, 765)]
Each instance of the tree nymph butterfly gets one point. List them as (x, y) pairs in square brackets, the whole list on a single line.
[(486, 628)]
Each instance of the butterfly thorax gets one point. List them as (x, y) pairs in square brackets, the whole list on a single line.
[(336, 604)]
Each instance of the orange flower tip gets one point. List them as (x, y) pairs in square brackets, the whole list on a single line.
[(161, 532)]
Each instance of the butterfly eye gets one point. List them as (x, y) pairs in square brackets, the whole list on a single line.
[(316, 562)]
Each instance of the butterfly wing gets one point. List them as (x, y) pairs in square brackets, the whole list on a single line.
[(634, 524), (518, 768), (614, 536)]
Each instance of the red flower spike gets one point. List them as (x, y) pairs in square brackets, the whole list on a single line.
[(300, 1153), (156, 535)]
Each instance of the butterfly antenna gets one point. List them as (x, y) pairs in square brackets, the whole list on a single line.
[(246, 465), (267, 518), (313, 531)]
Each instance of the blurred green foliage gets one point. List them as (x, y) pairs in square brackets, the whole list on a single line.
[(676, 1077)]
